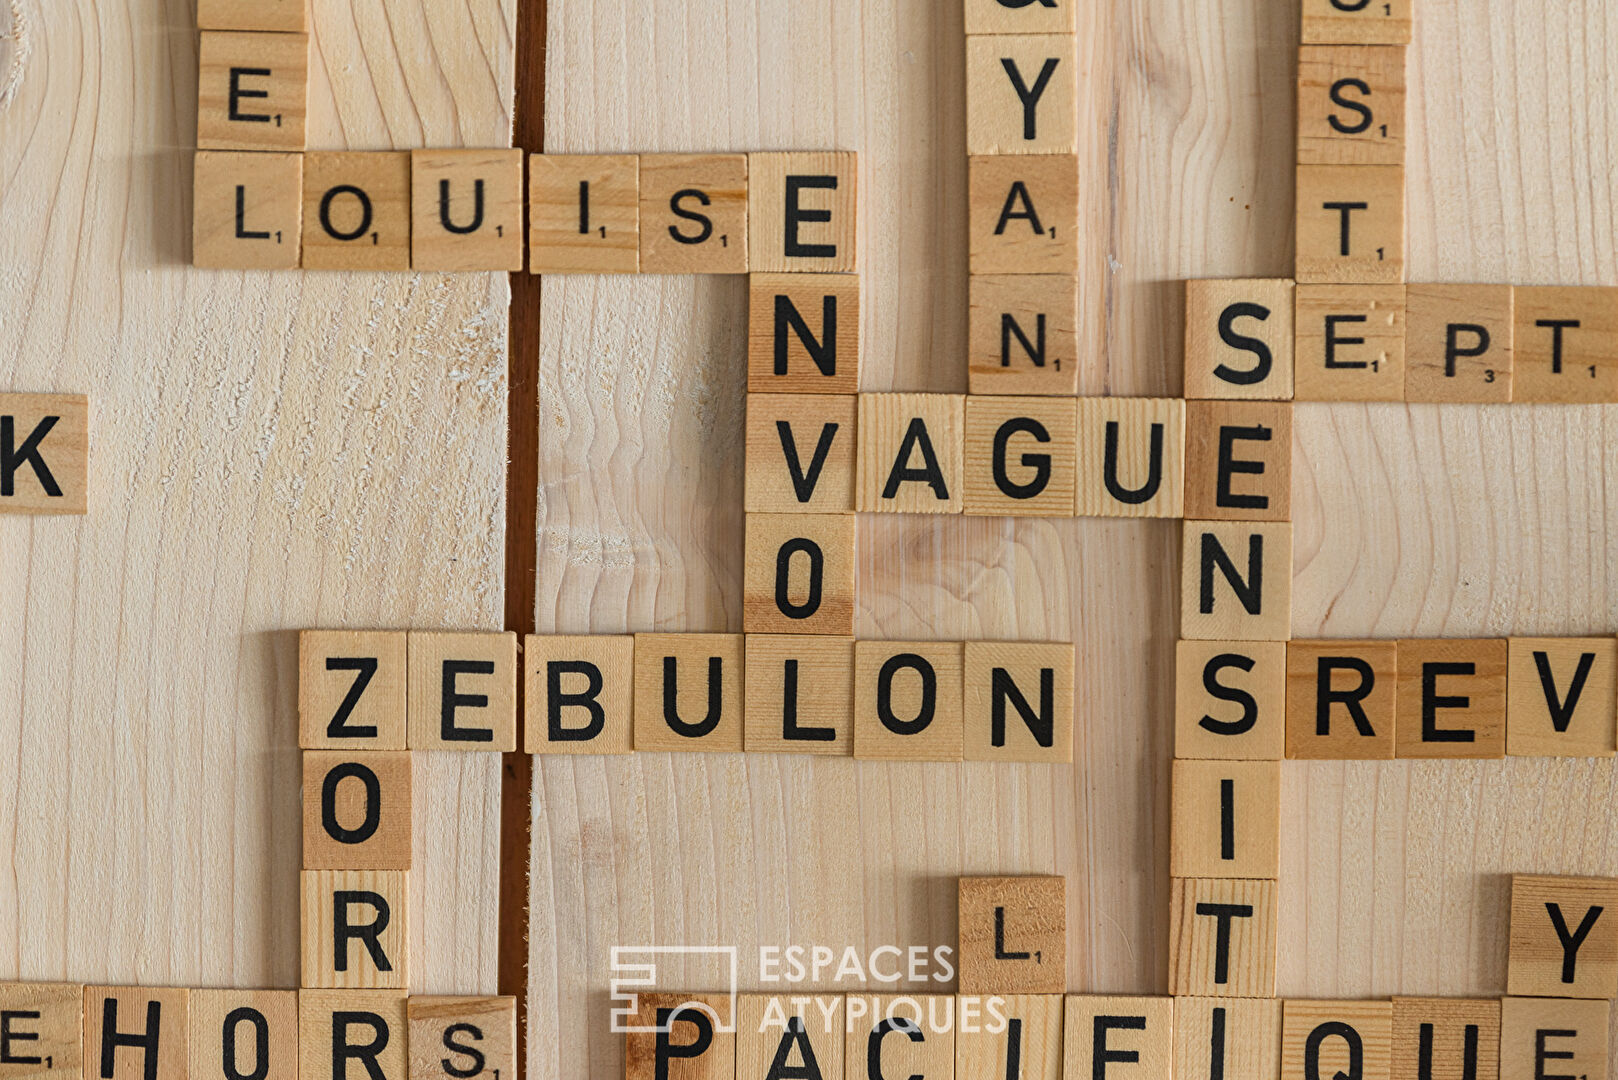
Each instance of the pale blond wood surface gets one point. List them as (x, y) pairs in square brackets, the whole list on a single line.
[(268, 452)]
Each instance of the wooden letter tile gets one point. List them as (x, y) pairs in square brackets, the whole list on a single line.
[(1564, 937), (244, 1033), (41, 1031), (1022, 334), (1350, 224), (1561, 697), (584, 213), (1238, 460), (1019, 701), (1321, 1038), (1230, 700), (688, 692), (803, 212), (247, 210), (805, 1033), (1350, 22), (355, 929), (1015, 17), (799, 576), (351, 689), (897, 1036), (1566, 344), (800, 453), (693, 213), (44, 453), (803, 333), (1023, 214), (800, 695), (1120, 1038), (145, 1032), (1021, 456), (1022, 94), (579, 694), (1436, 1038), (1458, 343), (466, 209), (1351, 105), (1222, 938), (1452, 698), (910, 453), (1541, 1039), (1013, 935), (1341, 699), (356, 211), (691, 1045), (907, 701), (1021, 1037), (352, 1035), (1351, 343), (1239, 339), (1236, 581), (356, 810), (463, 691), (462, 1038), (1131, 457), (283, 16), (252, 90), (1226, 819), (1226, 1038)]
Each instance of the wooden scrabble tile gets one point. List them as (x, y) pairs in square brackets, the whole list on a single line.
[(1562, 696), (803, 333), (584, 213), (352, 1035), (805, 1034), (462, 1038), (1226, 819), (688, 692), (910, 448), (1351, 105), (1227, 1039), (800, 453), (466, 209), (1350, 224), (1230, 700), (1564, 937), (1013, 935), (247, 210), (1019, 701), (44, 453), (463, 691), (1017, 17), (1357, 22), (1239, 339), (41, 1031), (803, 212), (351, 689), (799, 691), (1542, 1039), (1236, 581), (1458, 343), (1238, 460), (240, 1034), (579, 694), (896, 1036), (1023, 214), (1342, 698), (356, 211), (356, 810), (355, 929), (1446, 1038), (907, 701), (1351, 343), (252, 90), (1120, 1038), (136, 1033), (1566, 344), (1322, 1039), (680, 1037), (1131, 457), (283, 16), (1021, 1038), (1222, 938), (693, 213), (1022, 94), (1452, 698), (1022, 334), (799, 574), (1020, 456)]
